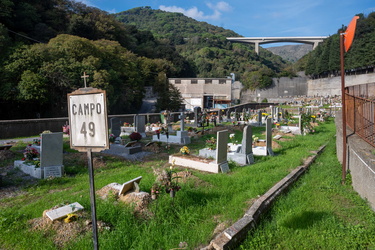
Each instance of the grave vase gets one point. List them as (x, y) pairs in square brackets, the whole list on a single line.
[(172, 193)]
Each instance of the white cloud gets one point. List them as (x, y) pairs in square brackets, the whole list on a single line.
[(220, 6), (195, 13)]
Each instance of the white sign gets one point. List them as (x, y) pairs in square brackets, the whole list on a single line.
[(88, 120)]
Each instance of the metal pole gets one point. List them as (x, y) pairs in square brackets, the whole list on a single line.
[(92, 199), (343, 109)]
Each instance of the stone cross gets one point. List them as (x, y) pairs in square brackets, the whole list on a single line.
[(84, 78)]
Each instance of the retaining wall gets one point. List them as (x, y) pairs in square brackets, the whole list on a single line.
[(285, 88), (360, 162), (332, 85), (31, 127)]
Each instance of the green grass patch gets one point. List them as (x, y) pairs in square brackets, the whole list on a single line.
[(317, 213)]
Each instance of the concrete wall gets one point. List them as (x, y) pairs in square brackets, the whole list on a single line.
[(33, 127), (332, 86), (283, 88), (360, 162)]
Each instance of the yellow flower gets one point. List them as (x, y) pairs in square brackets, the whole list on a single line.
[(70, 218), (185, 150)]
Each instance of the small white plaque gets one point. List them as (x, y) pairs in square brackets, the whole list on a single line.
[(54, 171), (62, 212), (129, 185)]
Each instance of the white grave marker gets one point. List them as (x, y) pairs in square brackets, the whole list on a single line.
[(62, 212)]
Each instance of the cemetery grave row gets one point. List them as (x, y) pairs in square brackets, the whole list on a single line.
[(241, 153), (49, 162)]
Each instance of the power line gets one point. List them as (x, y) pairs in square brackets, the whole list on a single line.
[(32, 39)]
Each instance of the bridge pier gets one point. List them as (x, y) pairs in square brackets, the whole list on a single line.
[(256, 44), (315, 45)]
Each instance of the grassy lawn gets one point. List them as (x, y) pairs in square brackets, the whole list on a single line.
[(204, 202), (317, 213)]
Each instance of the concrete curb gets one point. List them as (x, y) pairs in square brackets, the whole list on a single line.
[(237, 232)]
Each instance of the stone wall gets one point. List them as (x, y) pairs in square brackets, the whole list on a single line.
[(360, 162)]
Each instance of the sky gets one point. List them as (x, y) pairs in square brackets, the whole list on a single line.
[(257, 18)]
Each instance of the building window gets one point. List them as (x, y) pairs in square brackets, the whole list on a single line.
[(177, 81), (194, 81), (221, 81), (208, 81)]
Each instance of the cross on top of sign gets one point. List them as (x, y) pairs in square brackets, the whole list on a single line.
[(84, 78)]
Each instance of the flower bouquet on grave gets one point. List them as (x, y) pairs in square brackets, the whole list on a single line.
[(135, 136), (231, 138), (30, 154), (66, 129), (155, 190), (185, 150), (112, 138), (171, 181), (36, 142), (158, 133), (255, 140), (211, 143), (313, 117)]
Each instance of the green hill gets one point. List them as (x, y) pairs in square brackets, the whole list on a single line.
[(204, 45)]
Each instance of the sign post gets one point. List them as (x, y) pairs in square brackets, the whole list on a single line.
[(89, 133), (346, 39)]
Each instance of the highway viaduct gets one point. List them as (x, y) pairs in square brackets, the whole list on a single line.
[(313, 40)]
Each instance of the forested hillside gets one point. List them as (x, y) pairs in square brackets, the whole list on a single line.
[(325, 59), (46, 45), (206, 47)]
